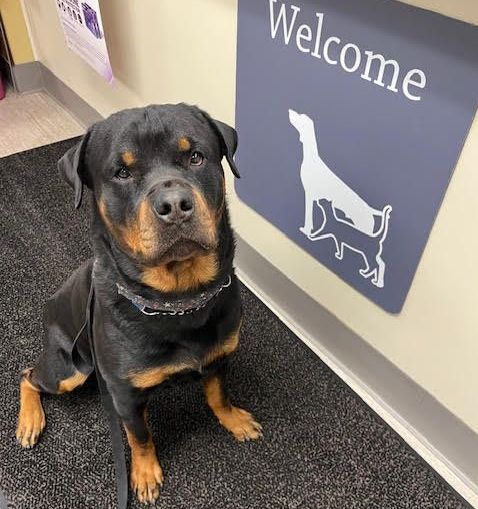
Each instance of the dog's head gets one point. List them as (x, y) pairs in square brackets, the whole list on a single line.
[(157, 179), (303, 123)]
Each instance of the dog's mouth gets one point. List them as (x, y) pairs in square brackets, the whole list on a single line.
[(178, 243), (183, 249)]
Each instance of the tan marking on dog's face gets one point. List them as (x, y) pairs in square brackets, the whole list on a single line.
[(206, 216), (223, 349), (183, 275), (139, 235), (220, 210), (72, 382), (128, 158), (31, 418), (146, 476), (155, 376), (184, 144), (236, 420), (104, 214)]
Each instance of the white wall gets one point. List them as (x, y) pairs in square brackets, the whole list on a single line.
[(184, 50)]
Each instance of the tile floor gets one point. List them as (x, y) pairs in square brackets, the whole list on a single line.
[(32, 120)]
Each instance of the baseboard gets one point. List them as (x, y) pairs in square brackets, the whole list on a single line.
[(35, 76), (27, 77), (438, 436), (69, 99)]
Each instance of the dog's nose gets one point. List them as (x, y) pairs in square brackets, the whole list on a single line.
[(173, 202)]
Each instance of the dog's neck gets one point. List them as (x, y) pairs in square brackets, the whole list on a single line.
[(309, 144)]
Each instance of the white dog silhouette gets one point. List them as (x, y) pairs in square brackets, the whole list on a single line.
[(320, 182)]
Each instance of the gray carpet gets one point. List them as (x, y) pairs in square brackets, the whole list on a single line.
[(323, 447)]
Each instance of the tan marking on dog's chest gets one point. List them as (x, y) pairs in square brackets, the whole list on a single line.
[(182, 276), (155, 376), (151, 377), (223, 349)]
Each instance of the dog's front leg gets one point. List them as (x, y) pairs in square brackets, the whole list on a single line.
[(146, 475), (31, 418), (236, 420), (308, 215)]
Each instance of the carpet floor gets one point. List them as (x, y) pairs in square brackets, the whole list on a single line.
[(322, 446)]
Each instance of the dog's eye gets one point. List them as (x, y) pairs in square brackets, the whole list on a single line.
[(123, 173), (196, 159)]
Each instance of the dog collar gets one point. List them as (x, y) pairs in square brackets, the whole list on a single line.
[(173, 307)]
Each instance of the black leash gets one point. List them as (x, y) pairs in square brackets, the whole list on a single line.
[(115, 428)]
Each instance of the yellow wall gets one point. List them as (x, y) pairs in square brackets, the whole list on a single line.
[(16, 31), (183, 50)]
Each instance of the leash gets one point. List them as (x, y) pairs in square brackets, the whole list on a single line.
[(115, 428)]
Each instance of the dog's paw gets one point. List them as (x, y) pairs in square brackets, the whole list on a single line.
[(31, 422), (306, 231), (241, 424), (146, 478)]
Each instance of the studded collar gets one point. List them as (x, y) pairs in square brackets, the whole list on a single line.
[(174, 307)]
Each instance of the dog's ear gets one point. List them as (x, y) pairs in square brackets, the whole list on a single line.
[(228, 139), (72, 168)]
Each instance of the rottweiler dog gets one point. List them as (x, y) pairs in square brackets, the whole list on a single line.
[(167, 300)]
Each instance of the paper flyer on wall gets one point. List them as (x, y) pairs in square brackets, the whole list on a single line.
[(83, 29)]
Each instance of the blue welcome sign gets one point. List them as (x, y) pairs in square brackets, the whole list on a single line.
[(352, 115)]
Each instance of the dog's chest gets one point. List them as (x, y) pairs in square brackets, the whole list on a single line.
[(182, 359)]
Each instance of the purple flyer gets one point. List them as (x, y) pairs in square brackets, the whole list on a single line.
[(83, 29)]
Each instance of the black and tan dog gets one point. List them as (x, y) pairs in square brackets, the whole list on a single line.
[(167, 300)]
